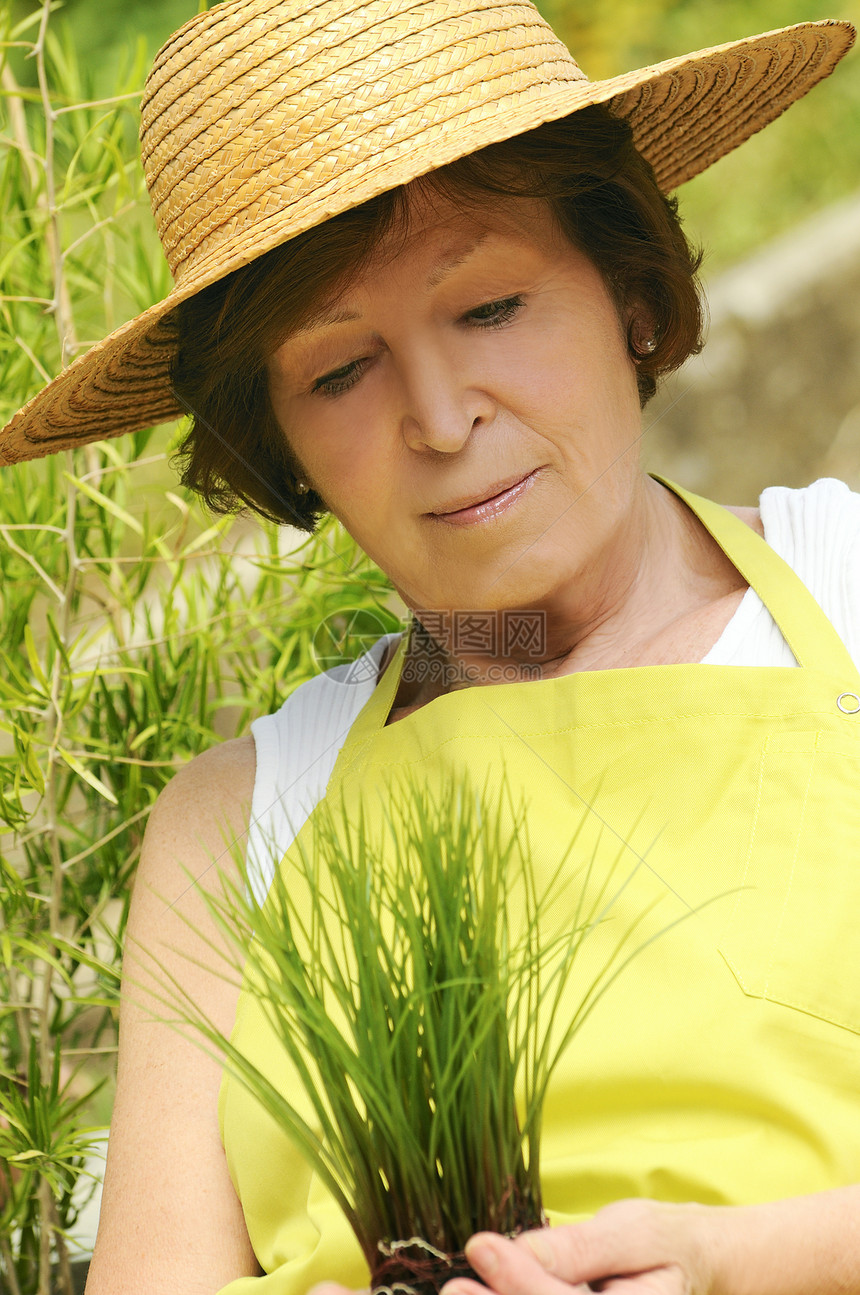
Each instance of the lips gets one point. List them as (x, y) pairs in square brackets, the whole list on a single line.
[(482, 497)]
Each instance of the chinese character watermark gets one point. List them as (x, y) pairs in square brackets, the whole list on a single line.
[(457, 646)]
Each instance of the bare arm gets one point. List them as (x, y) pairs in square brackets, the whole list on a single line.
[(171, 1223)]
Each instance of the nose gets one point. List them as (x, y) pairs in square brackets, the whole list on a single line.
[(442, 405)]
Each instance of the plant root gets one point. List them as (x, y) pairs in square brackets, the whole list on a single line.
[(414, 1267)]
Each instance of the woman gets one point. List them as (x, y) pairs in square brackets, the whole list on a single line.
[(471, 283)]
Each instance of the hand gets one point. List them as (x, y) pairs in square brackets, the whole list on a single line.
[(801, 1245), (632, 1247)]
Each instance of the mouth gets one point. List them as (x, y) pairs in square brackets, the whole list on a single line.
[(488, 504)]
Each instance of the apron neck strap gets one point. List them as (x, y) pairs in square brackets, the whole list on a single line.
[(803, 624), (373, 714)]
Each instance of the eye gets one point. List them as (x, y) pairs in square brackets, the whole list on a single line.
[(495, 314), (332, 384)]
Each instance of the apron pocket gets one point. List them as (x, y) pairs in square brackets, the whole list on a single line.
[(794, 933)]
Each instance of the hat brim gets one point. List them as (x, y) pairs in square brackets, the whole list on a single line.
[(685, 112)]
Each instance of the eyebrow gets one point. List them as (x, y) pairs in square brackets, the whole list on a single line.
[(326, 316), (454, 261)]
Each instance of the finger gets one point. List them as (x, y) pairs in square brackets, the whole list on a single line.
[(507, 1269), (627, 1237)]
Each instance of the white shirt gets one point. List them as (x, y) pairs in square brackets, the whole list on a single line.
[(817, 531)]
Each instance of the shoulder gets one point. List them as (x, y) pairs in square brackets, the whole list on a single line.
[(816, 530), (203, 811), (193, 849), (827, 507), (752, 517), (826, 510), (224, 771)]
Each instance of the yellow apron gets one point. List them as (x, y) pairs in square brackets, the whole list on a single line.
[(723, 1065)]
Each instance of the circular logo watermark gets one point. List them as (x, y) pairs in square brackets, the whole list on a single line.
[(343, 638)]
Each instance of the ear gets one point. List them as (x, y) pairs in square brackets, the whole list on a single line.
[(641, 332)]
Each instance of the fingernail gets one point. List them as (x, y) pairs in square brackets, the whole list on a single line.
[(481, 1256), (540, 1248)]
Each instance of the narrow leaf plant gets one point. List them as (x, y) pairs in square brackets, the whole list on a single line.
[(412, 971)]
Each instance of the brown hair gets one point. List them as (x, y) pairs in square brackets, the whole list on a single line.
[(606, 200)]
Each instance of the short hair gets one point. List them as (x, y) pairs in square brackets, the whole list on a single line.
[(606, 201)]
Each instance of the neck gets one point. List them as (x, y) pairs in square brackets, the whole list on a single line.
[(655, 565)]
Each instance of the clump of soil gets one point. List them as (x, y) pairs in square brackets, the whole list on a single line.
[(414, 1267)]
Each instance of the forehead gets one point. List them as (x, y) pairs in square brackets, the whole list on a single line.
[(435, 224), (430, 237)]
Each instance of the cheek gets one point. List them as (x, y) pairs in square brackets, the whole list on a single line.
[(583, 377), (353, 473), (331, 444)]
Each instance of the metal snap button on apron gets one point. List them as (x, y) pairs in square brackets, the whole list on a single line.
[(848, 703)]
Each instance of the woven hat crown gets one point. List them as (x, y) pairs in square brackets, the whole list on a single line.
[(255, 110)]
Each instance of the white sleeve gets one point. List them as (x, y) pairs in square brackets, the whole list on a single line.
[(297, 748), (817, 531)]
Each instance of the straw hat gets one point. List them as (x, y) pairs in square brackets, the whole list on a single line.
[(262, 118)]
